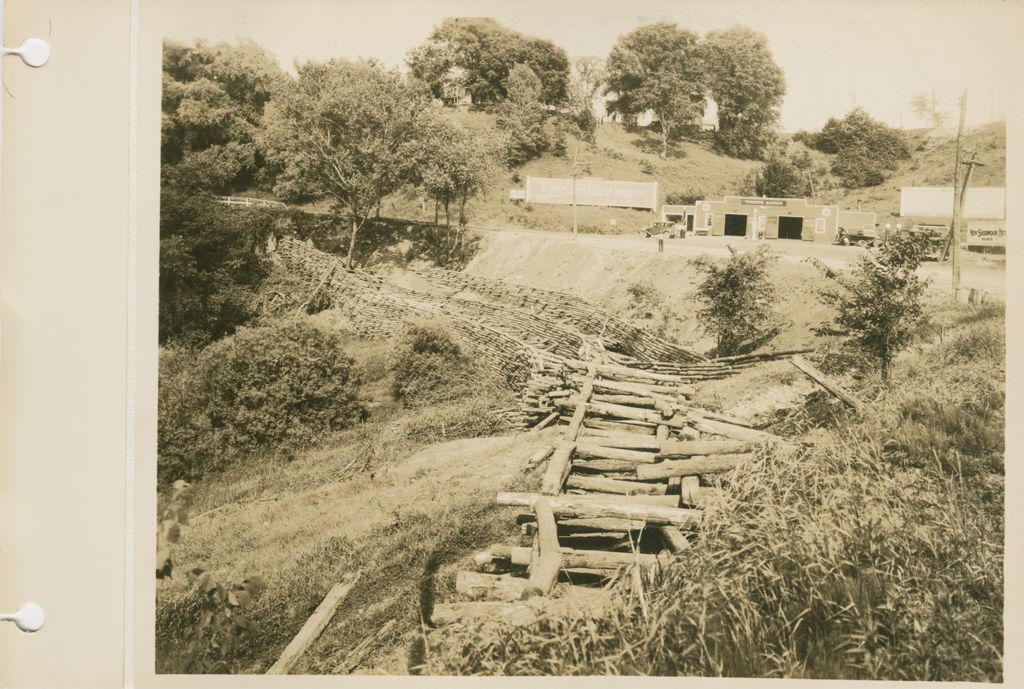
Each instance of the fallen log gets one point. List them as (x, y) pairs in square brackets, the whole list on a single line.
[(633, 427), (548, 420), (517, 614), (825, 382), (621, 411), (581, 409), (540, 455), (586, 525), (690, 448), (313, 627), (603, 465), (635, 498), (594, 451), (665, 392), (492, 586), (625, 441), (545, 559), (706, 425), (694, 466), (674, 539), (614, 507), (608, 485), (558, 469)]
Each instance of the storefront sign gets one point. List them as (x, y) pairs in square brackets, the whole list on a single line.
[(763, 202)]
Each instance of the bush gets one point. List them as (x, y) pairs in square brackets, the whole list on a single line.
[(428, 365), (866, 150), (738, 300), (683, 198), (880, 304), (280, 386)]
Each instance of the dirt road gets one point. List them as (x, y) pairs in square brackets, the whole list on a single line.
[(980, 272)]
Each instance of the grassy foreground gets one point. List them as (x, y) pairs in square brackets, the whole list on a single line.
[(874, 553)]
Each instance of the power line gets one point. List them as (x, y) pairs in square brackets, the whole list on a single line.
[(917, 63)]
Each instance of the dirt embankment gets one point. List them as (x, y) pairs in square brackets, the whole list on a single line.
[(602, 273)]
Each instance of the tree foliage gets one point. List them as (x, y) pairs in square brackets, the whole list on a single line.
[(482, 54), (528, 128), (927, 108), (879, 305), (748, 86), (738, 300), (212, 263), (866, 150), (455, 164), (786, 175), (348, 131), (213, 100), (284, 385), (657, 67)]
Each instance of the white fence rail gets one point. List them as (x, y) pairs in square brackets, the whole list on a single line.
[(248, 201)]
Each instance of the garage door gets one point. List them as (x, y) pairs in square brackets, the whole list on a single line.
[(735, 225), (791, 228)]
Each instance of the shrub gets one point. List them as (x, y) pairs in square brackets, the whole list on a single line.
[(737, 299), (866, 150), (428, 364), (271, 387), (880, 304), (683, 198)]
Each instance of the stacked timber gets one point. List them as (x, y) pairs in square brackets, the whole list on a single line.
[(617, 334)]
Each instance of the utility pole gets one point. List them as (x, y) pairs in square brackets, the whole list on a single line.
[(954, 228), (578, 166)]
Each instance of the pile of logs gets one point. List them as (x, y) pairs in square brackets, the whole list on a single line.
[(617, 334), (621, 496)]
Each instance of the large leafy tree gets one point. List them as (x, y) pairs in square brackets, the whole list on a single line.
[(348, 131), (455, 165), (657, 67), (748, 87), (213, 101), (866, 150), (480, 53), (522, 119)]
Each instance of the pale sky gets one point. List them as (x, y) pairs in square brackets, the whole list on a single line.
[(835, 53)]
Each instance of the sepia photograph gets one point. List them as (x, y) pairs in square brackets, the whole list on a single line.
[(656, 338)]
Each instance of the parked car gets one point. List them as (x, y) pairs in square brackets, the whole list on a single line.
[(861, 236), (663, 230)]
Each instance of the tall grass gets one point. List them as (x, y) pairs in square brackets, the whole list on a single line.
[(875, 552)]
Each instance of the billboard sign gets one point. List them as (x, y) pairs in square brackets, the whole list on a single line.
[(592, 191), (986, 234), (981, 202)]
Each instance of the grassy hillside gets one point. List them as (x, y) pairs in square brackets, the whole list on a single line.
[(931, 165), (619, 153)]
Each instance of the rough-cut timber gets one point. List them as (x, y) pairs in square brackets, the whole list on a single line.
[(558, 469), (825, 382), (573, 506), (501, 586), (547, 559), (313, 627), (695, 466), (599, 484), (691, 448), (751, 435), (595, 451)]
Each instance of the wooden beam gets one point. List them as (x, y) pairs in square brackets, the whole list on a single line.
[(313, 627), (540, 455), (544, 567), (641, 428), (624, 441), (609, 485), (596, 451), (694, 466), (825, 382), (546, 421), (611, 507), (691, 448), (581, 408), (729, 430), (558, 469), (674, 539), (493, 586)]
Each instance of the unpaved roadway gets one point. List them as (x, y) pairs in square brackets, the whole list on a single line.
[(978, 271)]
